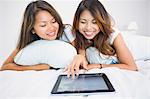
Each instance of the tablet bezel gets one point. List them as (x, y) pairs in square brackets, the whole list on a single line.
[(108, 83)]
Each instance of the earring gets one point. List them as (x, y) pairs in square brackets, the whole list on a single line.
[(33, 32)]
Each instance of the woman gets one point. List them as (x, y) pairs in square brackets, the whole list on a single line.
[(95, 36)]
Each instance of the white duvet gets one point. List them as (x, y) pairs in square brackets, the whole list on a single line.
[(38, 84)]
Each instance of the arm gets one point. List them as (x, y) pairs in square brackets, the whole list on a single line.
[(78, 61), (123, 54), (10, 65)]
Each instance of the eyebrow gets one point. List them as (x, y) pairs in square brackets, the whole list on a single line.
[(82, 19), (46, 21), (87, 20)]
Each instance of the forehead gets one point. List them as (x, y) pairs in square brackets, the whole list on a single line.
[(86, 14), (43, 15)]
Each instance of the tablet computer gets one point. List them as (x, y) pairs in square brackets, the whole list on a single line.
[(84, 83)]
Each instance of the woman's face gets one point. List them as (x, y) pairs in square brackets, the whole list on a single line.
[(46, 26), (87, 25)]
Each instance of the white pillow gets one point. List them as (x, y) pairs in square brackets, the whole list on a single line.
[(57, 54), (138, 45)]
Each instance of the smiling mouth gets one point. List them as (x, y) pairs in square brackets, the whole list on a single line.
[(51, 33), (89, 33)]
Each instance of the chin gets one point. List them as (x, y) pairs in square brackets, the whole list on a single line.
[(51, 38)]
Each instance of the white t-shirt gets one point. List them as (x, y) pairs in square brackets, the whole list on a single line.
[(92, 54), (113, 37), (67, 35), (95, 57)]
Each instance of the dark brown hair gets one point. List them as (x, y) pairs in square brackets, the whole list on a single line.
[(104, 22), (26, 35)]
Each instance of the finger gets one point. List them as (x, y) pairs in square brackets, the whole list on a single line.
[(66, 69), (77, 68), (77, 71), (69, 69), (72, 68), (72, 72), (68, 72)]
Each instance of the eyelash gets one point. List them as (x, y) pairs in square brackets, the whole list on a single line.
[(92, 22), (45, 24), (54, 21), (42, 25), (82, 22)]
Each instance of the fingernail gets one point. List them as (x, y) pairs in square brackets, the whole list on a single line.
[(68, 76), (77, 74)]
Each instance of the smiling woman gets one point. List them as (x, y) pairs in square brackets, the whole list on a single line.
[(10, 26), (95, 35), (25, 83), (40, 21)]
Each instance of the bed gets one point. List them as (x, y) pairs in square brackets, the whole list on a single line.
[(38, 84)]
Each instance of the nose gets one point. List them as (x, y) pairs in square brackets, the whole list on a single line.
[(50, 27), (88, 26)]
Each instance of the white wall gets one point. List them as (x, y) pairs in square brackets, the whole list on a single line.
[(123, 11), (148, 17), (10, 21)]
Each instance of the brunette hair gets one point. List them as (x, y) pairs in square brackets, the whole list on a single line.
[(104, 22), (26, 35)]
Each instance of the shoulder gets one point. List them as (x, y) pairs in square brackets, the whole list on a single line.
[(67, 27), (67, 34), (113, 36)]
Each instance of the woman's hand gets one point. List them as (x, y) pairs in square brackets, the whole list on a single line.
[(73, 68), (13, 66), (92, 66)]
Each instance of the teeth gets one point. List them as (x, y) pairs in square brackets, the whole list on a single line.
[(50, 33), (88, 33)]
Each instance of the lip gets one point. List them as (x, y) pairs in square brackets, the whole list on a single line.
[(88, 34), (51, 33)]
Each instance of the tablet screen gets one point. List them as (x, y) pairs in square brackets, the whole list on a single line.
[(84, 83)]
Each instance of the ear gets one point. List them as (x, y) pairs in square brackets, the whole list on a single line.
[(33, 32)]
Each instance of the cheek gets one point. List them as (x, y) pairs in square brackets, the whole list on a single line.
[(80, 30), (37, 28), (81, 27), (56, 27), (97, 28), (39, 31)]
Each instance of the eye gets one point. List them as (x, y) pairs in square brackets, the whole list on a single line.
[(94, 22), (83, 22), (43, 25), (53, 21)]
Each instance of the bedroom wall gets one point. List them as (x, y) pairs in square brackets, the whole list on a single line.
[(11, 14), (148, 17), (123, 11)]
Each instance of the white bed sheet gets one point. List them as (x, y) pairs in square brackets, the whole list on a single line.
[(38, 84)]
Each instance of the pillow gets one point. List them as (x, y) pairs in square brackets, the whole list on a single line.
[(57, 54), (138, 45)]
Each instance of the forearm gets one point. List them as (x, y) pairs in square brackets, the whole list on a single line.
[(13, 66), (82, 52), (121, 66)]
